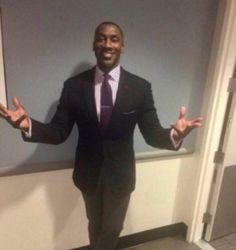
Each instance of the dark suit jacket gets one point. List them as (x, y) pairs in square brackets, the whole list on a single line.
[(113, 153)]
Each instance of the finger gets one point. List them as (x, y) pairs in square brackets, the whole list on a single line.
[(197, 120), (16, 103), (195, 124), (3, 115), (198, 124), (182, 112), (3, 110)]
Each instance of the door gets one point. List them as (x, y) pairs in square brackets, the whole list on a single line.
[(220, 220)]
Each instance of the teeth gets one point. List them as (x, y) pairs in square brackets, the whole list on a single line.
[(108, 55)]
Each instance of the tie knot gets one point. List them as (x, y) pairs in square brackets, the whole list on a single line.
[(107, 77)]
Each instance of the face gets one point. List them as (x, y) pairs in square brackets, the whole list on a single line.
[(108, 45)]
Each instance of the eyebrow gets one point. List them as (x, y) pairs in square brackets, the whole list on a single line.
[(103, 34)]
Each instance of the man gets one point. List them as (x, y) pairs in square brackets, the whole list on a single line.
[(105, 102)]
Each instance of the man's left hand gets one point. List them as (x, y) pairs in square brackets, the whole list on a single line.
[(183, 126)]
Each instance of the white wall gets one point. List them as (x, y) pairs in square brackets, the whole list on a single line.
[(45, 211), (45, 42)]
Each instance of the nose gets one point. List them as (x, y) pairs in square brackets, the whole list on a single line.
[(107, 43)]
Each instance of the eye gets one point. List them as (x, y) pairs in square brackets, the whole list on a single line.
[(100, 38), (115, 39)]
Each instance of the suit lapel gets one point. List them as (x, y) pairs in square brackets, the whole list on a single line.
[(88, 89), (121, 96)]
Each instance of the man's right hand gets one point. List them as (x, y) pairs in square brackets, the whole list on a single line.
[(18, 118)]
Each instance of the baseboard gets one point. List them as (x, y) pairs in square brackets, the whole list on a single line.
[(149, 235)]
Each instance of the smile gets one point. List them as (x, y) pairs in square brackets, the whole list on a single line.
[(107, 55)]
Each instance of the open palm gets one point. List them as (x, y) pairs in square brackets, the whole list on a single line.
[(17, 117), (183, 126)]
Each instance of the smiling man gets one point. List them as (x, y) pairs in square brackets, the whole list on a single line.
[(108, 45), (106, 103)]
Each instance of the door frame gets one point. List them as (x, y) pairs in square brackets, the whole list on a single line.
[(220, 166), (3, 97), (221, 68)]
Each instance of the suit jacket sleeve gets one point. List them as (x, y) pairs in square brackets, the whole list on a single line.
[(150, 126), (58, 129)]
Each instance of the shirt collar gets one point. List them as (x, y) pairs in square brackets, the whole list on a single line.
[(114, 73)]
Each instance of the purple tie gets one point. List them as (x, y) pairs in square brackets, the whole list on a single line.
[(106, 104)]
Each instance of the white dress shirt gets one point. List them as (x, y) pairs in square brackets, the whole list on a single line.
[(113, 82)]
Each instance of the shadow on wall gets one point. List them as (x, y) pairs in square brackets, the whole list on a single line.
[(32, 164), (60, 206)]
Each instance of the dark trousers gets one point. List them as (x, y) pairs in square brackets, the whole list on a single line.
[(106, 213)]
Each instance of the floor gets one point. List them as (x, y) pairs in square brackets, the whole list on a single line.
[(169, 243), (225, 243)]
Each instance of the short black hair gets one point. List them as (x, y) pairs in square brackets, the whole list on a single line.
[(112, 24)]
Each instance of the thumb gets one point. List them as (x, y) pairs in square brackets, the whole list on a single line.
[(182, 112), (16, 103)]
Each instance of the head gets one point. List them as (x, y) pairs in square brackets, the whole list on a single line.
[(108, 44)]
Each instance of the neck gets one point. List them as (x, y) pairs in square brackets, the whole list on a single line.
[(105, 69)]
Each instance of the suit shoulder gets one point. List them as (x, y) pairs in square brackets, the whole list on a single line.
[(137, 80), (80, 79)]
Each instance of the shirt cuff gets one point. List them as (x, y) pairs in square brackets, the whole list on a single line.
[(175, 143), (29, 133)]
